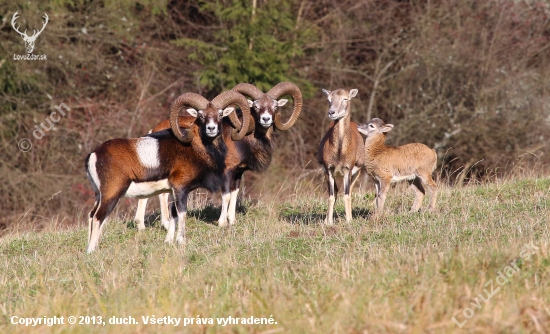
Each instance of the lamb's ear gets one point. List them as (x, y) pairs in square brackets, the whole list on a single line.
[(281, 102), (192, 112), (353, 93), (387, 128), (327, 92), (250, 103), (227, 111)]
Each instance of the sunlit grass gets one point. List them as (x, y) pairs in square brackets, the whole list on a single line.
[(402, 273)]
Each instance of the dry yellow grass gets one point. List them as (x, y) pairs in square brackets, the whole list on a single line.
[(404, 273)]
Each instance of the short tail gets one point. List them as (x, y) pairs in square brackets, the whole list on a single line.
[(91, 171)]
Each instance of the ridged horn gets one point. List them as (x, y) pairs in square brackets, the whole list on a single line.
[(187, 99), (291, 89), (236, 123), (249, 90), (255, 93), (232, 97), (251, 126)]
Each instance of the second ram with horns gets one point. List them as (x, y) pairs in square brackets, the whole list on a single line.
[(253, 152)]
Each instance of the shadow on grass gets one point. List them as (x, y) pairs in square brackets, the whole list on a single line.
[(210, 213), (297, 218), (361, 213), (293, 216), (151, 220)]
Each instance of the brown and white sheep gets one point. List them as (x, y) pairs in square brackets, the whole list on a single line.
[(341, 149)]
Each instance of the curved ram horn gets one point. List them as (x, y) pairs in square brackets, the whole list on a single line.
[(187, 99), (231, 97), (236, 123), (248, 90), (251, 126), (291, 89), (255, 93)]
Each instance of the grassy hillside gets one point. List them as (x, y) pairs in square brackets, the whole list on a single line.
[(404, 273)]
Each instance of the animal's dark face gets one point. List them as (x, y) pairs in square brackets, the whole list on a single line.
[(210, 119), (338, 102), (265, 109), (375, 126)]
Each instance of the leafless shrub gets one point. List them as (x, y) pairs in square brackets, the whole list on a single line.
[(468, 78)]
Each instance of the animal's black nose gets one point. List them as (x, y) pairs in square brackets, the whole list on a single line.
[(211, 128), (331, 112), (266, 119)]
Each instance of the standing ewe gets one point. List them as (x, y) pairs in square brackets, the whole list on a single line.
[(341, 149), (385, 164)]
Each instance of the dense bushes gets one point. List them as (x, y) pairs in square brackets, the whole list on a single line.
[(468, 78)]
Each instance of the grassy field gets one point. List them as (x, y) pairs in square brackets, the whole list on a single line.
[(403, 273)]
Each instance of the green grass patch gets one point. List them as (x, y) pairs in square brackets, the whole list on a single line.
[(401, 273)]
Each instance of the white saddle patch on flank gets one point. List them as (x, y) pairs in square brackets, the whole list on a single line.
[(147, 189), (397, 178), (147, 149)]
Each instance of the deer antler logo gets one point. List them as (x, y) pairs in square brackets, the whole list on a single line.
[(29, 40)]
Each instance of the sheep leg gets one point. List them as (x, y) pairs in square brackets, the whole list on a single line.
[(181, 206), (229, 198), (164, 211), (94, 228), (91, 217), (97, 220), (383, 187), (354, 178), (355, 172), (429, 183), (419, 191), (140, 214), (233, 201), (226, 196), (376, 192), (106, 202), (331, 197), (94, 209), (171, 230), (347, 191)]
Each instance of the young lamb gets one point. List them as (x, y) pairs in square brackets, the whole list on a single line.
[(386, 164)]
